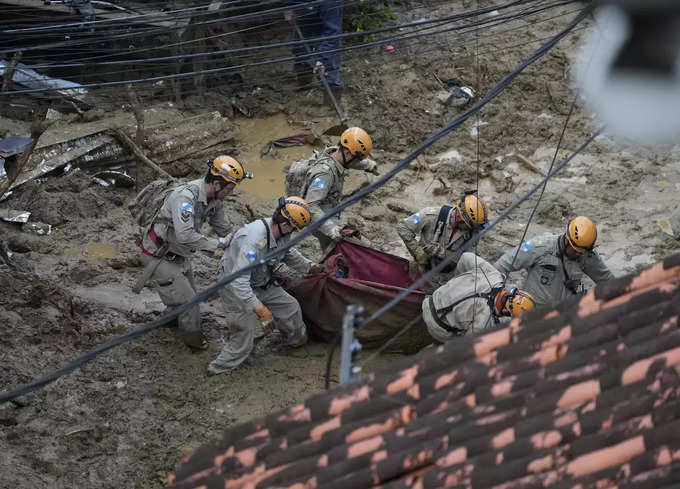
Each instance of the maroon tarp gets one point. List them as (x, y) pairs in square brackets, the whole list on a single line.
[(374, 278)]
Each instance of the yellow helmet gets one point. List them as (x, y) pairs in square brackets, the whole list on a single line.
[(229, 169), (357, 141), (519, 301), (295, 210), (581, 234), (472, 210)]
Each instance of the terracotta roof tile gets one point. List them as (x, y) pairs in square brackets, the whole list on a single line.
[(585, 396)]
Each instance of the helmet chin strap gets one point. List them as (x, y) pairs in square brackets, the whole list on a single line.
[(500, 300)]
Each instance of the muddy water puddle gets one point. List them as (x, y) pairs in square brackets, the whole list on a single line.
[(268, 181), (96, 251)]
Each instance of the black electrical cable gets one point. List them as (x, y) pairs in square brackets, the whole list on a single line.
[(165, 30), (327, 38), (231, 68), (359, 195), (268, 79), (168, 15), (315, 40), (129, 21)]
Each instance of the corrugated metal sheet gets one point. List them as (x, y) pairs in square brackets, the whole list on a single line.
[(586, 396)]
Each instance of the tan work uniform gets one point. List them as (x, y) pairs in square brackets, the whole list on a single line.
[(423, 229), (323, 190), (179, 224), (552, 277), (465, 304), (249, 245)]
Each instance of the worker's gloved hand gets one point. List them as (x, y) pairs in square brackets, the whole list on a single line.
[(335, 234), (370, 166), (223, 242), (317, 268), (289, 15), (422, 259), (348, 232), (263, 313), (319, 68), (433, 250)]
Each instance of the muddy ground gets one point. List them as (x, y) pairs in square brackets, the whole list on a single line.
[(126, 419)]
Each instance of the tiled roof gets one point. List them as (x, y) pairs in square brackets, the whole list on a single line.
[(586, 396)]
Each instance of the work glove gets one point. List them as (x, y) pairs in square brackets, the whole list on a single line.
[(348, 232), (421, 257), (370, 166), (225, 241), (265, 316), (289, 15), (317, 268), (263, 313), (434, 250), (335, 234), (319, 68)]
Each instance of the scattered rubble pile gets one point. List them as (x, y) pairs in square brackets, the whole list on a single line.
[(584, 396)]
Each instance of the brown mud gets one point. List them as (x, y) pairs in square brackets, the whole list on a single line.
[(126, 419)]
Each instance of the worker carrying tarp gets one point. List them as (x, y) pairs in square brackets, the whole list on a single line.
[(357, 274)]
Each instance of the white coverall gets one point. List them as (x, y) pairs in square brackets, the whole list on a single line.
[(469, 314)]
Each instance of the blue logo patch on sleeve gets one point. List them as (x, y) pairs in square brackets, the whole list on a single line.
[(251, 255), (526, 246), (416, 218), (319, 183), (186, 210)]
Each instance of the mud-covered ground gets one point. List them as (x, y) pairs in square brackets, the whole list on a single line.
[(125, 419)]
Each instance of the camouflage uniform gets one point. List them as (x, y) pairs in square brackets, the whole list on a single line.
[(427, 244), (323, 191), (242, 295), (179, 224), (543, 259), (473, 275)]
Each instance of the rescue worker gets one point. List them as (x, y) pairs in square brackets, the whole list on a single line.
[(473, 300), (434, 233), (552, 279), (326, 176), (321, 20), (256, 297), (175, 235)]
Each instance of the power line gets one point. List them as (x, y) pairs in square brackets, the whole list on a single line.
[(164, 30), (361, 194), (238, 67), (318, 39), (268, 79)]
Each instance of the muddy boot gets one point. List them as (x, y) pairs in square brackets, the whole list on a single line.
[(259, 332), (216, 369), (298, 341), (195, 341)]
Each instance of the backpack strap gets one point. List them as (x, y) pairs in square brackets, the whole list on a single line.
[(269, 233), (441, 222), (440, 314), (571, 285), (272, 279)]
